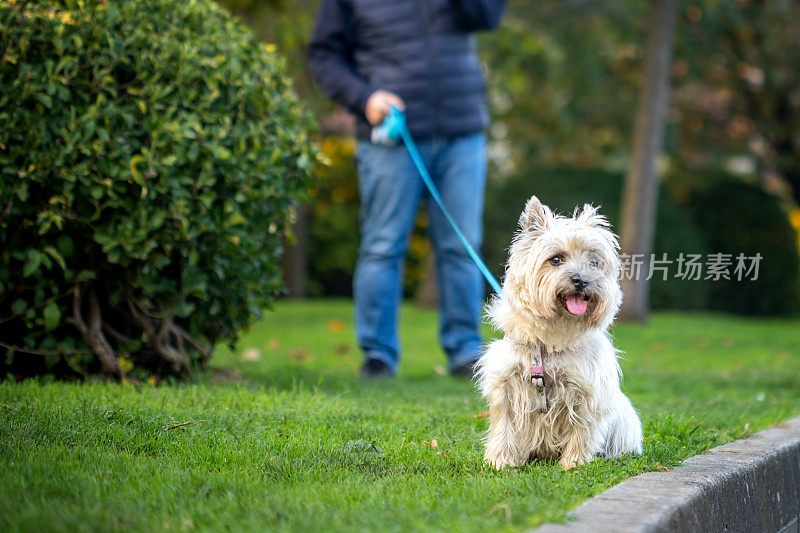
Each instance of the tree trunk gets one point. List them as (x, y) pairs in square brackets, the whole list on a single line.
[(295, 257), (641, 183), (428, 292)]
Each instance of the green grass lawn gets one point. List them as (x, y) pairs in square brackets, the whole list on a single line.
[(294, 440)]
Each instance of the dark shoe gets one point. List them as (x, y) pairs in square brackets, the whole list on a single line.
[(466, 371), (375, 368)]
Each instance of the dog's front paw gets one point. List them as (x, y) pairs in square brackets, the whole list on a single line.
[(499, 460), (499, 464), (569, 461), (568, 464)]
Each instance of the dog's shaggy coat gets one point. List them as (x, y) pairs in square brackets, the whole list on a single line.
[(560, 294)]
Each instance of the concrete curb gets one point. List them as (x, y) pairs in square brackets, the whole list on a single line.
[(751, 484)]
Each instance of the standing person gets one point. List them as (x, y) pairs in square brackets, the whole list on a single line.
[(417, 55)]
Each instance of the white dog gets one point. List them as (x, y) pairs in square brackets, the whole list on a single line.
[(552, 381)]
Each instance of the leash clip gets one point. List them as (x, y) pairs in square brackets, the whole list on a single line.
[(537, 376)]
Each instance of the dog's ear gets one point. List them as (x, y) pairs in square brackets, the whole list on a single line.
[(590, 216), (535, 216)]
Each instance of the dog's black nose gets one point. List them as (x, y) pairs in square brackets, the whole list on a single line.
[(579, 282)]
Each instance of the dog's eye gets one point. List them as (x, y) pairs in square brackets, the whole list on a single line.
[(594, 263), (556, 260)]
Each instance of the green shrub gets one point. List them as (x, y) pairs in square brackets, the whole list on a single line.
[(565, 188), (150, 151), (741, 218)]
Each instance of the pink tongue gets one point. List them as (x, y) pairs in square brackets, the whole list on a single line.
[(576, 305)]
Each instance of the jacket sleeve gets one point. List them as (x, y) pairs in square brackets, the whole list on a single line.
[(476, 15), (330, 57)]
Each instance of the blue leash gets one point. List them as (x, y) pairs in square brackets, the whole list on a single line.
[(394, 128)]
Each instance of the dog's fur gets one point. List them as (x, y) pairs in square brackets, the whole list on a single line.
[(588, 413)]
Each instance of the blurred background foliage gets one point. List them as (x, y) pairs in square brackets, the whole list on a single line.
[(563, 79)]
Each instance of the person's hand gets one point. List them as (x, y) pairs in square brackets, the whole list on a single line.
[(379, 104)]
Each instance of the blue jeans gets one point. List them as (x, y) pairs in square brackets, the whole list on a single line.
[(390, 189)]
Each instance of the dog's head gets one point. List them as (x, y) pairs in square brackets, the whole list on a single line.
[(565, 268)]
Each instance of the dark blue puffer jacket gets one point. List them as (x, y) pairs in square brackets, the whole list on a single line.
[(421, 50)]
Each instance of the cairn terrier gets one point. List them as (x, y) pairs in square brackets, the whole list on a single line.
[(552, 381)]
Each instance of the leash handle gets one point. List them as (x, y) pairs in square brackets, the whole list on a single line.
[(394, 127)]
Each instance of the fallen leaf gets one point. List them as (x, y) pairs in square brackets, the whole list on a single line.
[(336, 325), (434, 443), (225, 375), (728, 342), (503, 506), (439, 369), (273, 344), (700, 341), (251, 354), (342, 349), (484, 414), (182, 424), (301, 354)]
